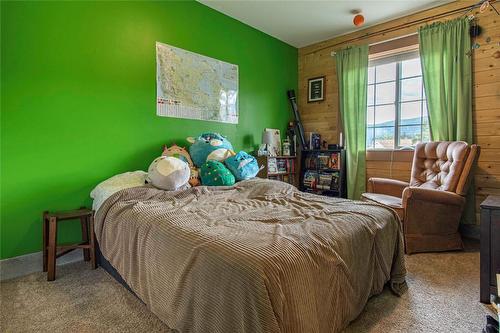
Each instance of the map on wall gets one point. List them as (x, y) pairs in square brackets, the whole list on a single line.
[(193, 86)]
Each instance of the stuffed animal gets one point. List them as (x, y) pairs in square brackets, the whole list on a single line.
[(209, 146), (178, 152), (169, 173), (214, 173), (242, 165), (182, 153)]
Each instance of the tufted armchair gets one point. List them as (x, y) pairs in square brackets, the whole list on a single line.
[(431, 205)]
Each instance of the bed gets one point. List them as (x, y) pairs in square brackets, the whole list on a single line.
[(259, 256)]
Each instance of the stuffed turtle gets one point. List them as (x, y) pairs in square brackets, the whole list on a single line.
[(214, 173), (209, 146)]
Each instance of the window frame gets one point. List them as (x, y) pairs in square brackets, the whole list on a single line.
[(388, 50)]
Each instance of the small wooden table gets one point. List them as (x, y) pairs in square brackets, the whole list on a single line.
[(50, 247)]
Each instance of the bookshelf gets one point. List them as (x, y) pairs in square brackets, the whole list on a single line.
[(281, 168), (323, 172)]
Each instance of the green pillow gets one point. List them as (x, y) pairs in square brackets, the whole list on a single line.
[(214, 173)]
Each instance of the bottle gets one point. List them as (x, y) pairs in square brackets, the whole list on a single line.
[(286, 147)]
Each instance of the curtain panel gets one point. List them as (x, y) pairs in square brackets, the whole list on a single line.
[(352, 76), (446, 68), (445, 53)]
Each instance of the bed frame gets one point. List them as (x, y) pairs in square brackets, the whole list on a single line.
[(106, 265)]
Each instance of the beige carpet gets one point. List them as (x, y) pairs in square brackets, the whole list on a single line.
[(442, 297)]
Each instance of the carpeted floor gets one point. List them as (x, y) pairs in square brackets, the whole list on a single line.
[(442, 297)]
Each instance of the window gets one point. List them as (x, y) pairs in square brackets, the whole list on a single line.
[(397, 108)]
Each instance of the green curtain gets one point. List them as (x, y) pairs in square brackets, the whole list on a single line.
[(445, 53), (446, 68), (352, 76)]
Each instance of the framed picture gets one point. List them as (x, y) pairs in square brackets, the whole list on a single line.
[(316, 90)]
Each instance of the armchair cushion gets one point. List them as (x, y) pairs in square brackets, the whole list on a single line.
[(387, 186), (438, 165), (386, 200)]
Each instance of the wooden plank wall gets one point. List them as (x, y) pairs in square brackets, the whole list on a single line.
[(323, 117)]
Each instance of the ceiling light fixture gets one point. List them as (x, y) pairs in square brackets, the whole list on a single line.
[(358, 18)]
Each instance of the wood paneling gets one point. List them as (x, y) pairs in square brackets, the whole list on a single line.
[(323, 117)]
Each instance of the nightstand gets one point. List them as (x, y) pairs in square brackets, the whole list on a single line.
[(490, 246), (52, 251)]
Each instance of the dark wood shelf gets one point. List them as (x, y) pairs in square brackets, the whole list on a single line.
[(313, 156)]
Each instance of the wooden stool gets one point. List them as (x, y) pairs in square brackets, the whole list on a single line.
[(50, 247)]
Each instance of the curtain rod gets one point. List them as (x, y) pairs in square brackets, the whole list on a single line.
[(408, 24)]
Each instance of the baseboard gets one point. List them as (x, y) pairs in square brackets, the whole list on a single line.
[(30, 263), (470, 231)]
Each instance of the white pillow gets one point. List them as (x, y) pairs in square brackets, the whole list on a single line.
[(114, 184)]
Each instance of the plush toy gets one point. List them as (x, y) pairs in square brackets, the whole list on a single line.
[(242, 165), (214, 173), (169, 173), (181, 153), (178, 152), (209, 146)]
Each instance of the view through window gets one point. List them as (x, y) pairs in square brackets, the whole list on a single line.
[(397, 108)]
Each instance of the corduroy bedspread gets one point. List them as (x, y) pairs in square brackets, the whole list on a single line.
[(259, 256)]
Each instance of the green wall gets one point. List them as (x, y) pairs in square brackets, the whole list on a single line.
[(78, 98)]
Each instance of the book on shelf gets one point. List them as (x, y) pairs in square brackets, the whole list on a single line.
[(335, 184), (310, 163), (323, 161), (314, 142), (282, 165), (334, 162), (272, 166), (324, 181), (310, 179)]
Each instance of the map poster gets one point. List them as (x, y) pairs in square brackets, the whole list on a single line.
[(193, 86)]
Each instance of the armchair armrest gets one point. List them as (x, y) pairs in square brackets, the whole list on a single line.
[(433, 196), (387, 186)]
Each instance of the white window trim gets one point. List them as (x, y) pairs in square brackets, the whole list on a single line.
[(401, 54)]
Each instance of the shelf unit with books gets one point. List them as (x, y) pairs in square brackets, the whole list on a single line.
[(323, 172), (281, 168)]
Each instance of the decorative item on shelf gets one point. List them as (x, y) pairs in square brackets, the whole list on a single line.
[(292, 137), (267, 140), (314, 141), (316, 91), (286, 147), (272, 138)]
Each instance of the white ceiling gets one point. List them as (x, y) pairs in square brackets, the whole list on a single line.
[(304, 22)]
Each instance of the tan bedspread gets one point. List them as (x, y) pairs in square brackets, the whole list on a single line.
[(259, 256)]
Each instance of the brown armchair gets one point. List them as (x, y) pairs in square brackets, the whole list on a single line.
[(431, 205)]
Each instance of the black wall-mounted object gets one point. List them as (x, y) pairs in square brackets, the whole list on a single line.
[(475, 31), (298, 122)]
